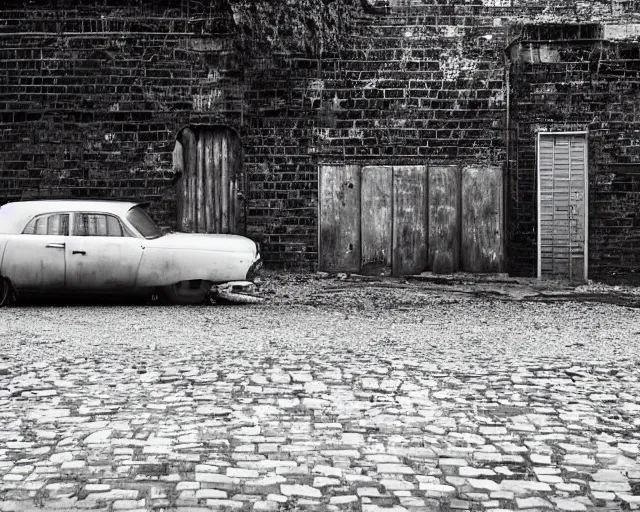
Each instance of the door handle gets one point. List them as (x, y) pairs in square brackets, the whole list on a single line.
[(79, 252), (56, 245)]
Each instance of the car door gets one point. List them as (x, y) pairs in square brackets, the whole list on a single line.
[(102, 256), (35, 259)]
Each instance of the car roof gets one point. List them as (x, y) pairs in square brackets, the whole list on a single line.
[(14, 216)]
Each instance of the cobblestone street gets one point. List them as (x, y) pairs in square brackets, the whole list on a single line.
[(383, 400)]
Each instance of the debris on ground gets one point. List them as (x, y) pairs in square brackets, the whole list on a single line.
[(235, 292), (362, 292)]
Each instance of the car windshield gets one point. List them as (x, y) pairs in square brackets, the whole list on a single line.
[(143, 223)]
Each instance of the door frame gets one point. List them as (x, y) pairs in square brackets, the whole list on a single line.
[(585, 134)]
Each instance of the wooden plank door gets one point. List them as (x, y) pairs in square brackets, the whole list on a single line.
[(339, 205), (223, 166), (562, 206), (376, 214), (210, 161), (409, 220), (185, 164), (444, 219), (482, 219)]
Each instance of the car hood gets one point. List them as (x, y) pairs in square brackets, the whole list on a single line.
[(204, 241)]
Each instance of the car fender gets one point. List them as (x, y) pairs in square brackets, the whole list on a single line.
[(3, 246), (165, 266)]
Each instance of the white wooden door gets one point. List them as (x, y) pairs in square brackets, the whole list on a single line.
[(562, 206)]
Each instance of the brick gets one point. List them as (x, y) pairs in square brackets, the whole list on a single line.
[(71, 132)]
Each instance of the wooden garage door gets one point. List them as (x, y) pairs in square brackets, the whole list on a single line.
[(339, 233), (373, 219), (409, 250), (376, 220), (444, 219), (406, 219), (482, 219), (562, 206)]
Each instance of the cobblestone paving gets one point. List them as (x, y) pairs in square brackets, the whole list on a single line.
[(451, 404)]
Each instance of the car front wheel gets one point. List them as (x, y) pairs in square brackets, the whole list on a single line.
[(186, 292), (6, 292)]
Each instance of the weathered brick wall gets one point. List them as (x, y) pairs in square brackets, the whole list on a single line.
[(584, 80), (408, 89), (92, 98)]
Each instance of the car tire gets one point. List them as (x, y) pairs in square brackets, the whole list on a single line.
[(6, 292), (186, 292)]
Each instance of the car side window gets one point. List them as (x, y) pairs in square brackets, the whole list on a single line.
[(48, 224), (97, 224)]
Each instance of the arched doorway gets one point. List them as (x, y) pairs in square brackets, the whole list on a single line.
[(209, 160)]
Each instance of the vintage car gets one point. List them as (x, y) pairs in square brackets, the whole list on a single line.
[(73, 247)]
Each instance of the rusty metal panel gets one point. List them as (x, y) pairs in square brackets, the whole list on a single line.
[(444, 218), (482, 219), (409, 220), (339, 205), (376, 224)]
